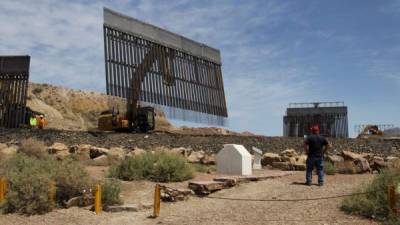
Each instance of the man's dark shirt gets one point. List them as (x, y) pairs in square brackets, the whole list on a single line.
[(316, 144)]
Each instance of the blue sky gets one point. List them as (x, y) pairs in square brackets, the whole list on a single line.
[(273, 52)]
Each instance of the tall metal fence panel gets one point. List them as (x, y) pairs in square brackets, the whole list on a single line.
[(14, 76), (183, 76)]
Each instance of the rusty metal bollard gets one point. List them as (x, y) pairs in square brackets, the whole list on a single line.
[(97, 200), (52, 192), (157, 201), (3, 188), (392, 198)]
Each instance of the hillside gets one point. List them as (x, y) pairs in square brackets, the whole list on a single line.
[(70, 109)]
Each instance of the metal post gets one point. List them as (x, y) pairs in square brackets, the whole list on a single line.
[(97, 200), (52, 193), (3, 188), (157, 201), (392, 199)]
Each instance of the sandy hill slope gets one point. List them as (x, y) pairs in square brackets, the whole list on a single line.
[(74, 109), (70, 109)]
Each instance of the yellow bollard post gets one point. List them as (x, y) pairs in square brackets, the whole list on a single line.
[(2, 187), (52, 192), (157, 201), (392, 199), (97, 200)]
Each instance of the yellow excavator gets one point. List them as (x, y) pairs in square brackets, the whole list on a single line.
[(139, 118), (370, 130)]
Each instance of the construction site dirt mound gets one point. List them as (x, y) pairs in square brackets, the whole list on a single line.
[(70, 109)]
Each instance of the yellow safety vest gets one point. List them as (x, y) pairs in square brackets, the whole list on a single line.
[(33, 121)]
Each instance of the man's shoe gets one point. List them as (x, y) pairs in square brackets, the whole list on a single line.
[(308, 183), (320, 184)]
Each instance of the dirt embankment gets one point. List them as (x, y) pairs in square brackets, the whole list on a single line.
[(208, 143)]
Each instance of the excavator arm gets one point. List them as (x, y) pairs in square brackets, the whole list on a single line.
[(154, 55)]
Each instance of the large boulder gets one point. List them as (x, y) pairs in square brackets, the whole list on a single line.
[(3, 146), (334, 159), (290, 160), (96, 152), (81, 148), (368, 156), (181, 151), (8, 151), (57, 147), (301, 159), (136, 152), (299, 167), (379, 165), (362, 165), (196, 156), (351, 156), (59, 150), (208, 159), (117, 153), (100, 161), (289, 153), (282, 165), (391, 158), (268, 158)]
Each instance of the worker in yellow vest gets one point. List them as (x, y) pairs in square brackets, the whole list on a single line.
[(33, 121)]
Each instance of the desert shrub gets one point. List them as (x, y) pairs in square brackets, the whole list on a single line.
[(346, 167), (111, 189), (37, 90), (329, 168), (375, 203), (201, 168), (71, 178), (171, 168), (159, 166), (29, 180), (33, 147)]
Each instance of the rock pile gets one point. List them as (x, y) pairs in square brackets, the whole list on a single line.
[(98, 156), (365, 162)]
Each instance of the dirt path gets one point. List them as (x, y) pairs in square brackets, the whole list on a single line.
[(212, 211)]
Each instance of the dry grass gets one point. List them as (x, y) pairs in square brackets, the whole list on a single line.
[(33, 147)]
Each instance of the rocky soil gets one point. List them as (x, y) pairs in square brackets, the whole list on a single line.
[(207, 143), (211, 211)]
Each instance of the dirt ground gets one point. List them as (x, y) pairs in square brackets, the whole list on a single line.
[(213, 211)]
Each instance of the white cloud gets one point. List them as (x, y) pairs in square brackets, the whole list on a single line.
[(65, 41)]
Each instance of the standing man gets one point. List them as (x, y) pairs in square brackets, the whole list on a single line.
[(41, 122), (315, 147)]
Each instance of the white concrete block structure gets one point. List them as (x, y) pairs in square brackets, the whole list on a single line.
[(257, 158), (234, 159)]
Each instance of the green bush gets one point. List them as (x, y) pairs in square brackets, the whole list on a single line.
[(111, 189), (71, 178), (374, 204), (329, 168), (158, 166), (29, 180), (33, 147)]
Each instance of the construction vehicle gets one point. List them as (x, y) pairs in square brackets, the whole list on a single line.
[(138, 118), (370, 130)]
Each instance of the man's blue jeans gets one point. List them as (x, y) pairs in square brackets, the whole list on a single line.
[(318, 162)]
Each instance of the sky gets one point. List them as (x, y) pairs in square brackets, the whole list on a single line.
[(274, 52)]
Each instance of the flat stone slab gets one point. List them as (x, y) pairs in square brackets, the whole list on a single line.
[(123, 208), (238, 179), (206, 187)]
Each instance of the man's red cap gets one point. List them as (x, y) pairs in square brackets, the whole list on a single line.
[(315, 128)]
